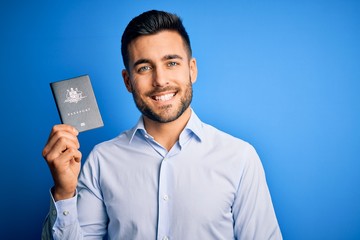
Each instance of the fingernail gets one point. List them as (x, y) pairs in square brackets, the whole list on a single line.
[(76, 131)]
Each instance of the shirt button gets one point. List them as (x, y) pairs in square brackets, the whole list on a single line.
[(66, 213), (166, 197), (165, 238)]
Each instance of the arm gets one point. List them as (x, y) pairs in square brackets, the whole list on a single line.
[(72, 215), (63, 157), (81, 217), (253, 211), (62, 222)]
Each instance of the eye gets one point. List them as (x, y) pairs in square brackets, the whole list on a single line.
[(143, 69), (172, 64)]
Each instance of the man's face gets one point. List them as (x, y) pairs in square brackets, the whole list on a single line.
[(160, 76)]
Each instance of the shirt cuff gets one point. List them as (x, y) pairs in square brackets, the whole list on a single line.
[(64, 212)]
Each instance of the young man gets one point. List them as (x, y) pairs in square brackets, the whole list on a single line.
[(171, 176)]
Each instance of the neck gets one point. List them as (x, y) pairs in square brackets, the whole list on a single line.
[(167, 134)]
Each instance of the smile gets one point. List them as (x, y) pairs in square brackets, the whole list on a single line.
[(165, 97)]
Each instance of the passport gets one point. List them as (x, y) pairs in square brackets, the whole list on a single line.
[(76, 103)]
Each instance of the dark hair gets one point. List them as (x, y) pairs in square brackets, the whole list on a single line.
[(148, 23)]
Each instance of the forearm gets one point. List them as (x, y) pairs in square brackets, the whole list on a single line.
[(62, 221)]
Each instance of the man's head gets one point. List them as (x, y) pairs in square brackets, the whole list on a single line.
[(149, 23), (159, 68)]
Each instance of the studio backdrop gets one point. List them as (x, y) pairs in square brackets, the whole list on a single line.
[(281, 75)]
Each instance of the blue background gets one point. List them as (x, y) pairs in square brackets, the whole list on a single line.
[(282, 75)]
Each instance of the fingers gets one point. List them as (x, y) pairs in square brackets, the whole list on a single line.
[(62, 147), (63, 157), (65, 171), (66, 159), (64, 128), (62, 137), (74, 153)]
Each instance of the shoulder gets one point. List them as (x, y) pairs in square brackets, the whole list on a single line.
[(227, 143), (122, 139), (214, 134)]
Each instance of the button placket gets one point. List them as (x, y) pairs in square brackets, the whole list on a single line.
[(163, 198)]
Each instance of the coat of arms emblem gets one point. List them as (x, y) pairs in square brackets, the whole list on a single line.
[(74, 95)]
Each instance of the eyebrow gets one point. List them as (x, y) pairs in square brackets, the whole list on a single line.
[(172, 56), (166, 57), (141, 61)]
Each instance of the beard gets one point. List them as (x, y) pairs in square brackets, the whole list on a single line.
[(167, 113)]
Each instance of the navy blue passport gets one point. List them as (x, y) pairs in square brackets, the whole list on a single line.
[(76, 103)]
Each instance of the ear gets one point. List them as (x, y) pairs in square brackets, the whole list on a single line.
[(126, 78), (193, 70)]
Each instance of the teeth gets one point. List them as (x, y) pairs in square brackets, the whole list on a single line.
[(164, 97)]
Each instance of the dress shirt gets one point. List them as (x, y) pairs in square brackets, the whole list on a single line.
[(210, 185)]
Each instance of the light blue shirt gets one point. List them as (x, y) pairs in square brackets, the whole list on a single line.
[(210, 185)]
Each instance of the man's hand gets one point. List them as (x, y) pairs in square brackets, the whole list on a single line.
[(63, 157)]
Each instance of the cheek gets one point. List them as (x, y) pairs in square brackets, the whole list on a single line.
[(139, 87), (181, 76)]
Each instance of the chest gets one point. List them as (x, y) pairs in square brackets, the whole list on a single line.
[(193, 190)]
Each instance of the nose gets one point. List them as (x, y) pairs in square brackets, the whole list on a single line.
[(160, 78)]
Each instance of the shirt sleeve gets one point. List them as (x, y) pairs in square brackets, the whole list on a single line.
[(254, 215), (62, 220), (82, 217)]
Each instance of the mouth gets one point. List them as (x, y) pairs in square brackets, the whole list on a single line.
[(163, 97)]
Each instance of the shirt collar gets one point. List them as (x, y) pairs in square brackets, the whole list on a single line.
[(194, 126), (139, 127)]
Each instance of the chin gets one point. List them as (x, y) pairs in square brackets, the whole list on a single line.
[(166, 114)]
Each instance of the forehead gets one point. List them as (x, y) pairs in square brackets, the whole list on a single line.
[(157, 45)]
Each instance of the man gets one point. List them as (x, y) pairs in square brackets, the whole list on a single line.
[(171, 176)]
